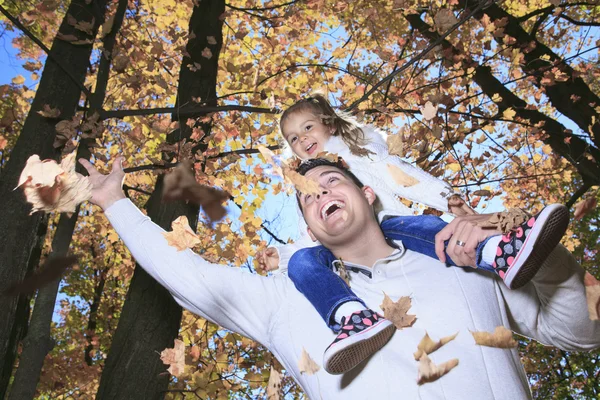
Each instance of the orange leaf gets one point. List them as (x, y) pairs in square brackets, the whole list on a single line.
[(397, 311), (501, 338), (401, 177), (307, 365), (429, 372), (182, 236), (300, 182), (428, 346), (175, 358)]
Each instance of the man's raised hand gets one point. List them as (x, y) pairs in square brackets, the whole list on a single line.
[(106, 189), (268, 260)]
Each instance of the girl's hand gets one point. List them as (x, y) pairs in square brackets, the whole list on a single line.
[(268, 260), (106, 189), (459, 207)]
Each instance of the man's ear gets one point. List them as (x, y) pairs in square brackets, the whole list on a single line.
[(314, 239), (369, 194)]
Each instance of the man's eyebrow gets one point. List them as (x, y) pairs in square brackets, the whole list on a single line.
[(324, 173)]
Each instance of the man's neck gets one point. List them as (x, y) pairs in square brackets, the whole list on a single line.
[(365, 249)]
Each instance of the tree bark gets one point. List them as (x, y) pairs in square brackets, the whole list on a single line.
[(572, 148), (150, 318), (57, 89)]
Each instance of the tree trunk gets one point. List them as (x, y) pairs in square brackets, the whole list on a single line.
[(57, 89), (150, 318)]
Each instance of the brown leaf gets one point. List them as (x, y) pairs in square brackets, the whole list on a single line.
[(483, 192), (592, 294), (397, 311), (48, 112), (53, 269), (307, 365), (65, 129), (175, 358), (342, 267), (181, 184), (301, 183), (395, 144), (501, 338), (51, 187), (429, 111), (274, 385), (505, 221), (182, 236), (401, 177), (584, 207), (444, 19), (428, 346), (359, 151), (429, 372)]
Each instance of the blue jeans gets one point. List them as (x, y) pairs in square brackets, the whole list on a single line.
[(311, 269)]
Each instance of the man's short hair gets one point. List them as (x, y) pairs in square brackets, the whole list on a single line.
[(313, 163)]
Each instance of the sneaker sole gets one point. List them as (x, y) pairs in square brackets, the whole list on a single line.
[(356, 353), (537, 251)]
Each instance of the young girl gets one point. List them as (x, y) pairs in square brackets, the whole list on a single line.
[(311, 126)]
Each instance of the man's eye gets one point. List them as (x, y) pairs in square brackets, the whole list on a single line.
[(333, 180)]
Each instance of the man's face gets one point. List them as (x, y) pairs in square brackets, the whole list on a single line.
[(306, 134), (340, 211)]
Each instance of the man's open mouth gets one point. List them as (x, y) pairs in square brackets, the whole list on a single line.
[(330, 208)]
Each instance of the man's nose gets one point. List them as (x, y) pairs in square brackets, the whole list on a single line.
[(323, 193)]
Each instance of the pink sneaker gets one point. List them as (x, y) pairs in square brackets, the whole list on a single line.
[(522, 252), (363, 333)]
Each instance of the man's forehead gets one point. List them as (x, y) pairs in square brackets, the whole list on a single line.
[(321, 170)]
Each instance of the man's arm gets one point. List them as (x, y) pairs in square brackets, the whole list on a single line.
[(230, 297), (552, 308)]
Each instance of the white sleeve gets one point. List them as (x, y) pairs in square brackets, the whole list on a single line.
[(232, 298), (552, 308)]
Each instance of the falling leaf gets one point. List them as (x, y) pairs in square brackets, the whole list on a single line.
[(592, 293), (429, 372), (397, 311), (181, 184), (175, 358), (53, 269), (182, 236), (501, 338), (483, 192), (444, 19), (52, 187), (307, 365), (584, 207), (428, 346), (274, 385), (211, 40), (429, 111), (401, 177), (342, 270), (509, 114), (195, 353), (120, 62), (359, 151), (107, 26), (18, 80), (73, 39), (65, 130), (301, 183), (395, 144), (48, 112), (206, 53), (505, 221), (269, 157)]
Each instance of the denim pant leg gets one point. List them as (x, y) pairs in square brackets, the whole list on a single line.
[(417, 234), (310, 270)]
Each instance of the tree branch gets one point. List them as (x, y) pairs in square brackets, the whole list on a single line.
[(579, 23), (508, 178), (242, 152), (578, 194), (186, 111), (37, 41), (263, 8)]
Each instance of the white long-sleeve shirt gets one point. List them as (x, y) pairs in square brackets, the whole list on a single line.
[(372, 170), (551, 308)]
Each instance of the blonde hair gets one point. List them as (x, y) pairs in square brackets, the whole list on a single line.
[(343, 123)]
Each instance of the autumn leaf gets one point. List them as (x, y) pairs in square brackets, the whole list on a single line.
[(395, 144), (18, 80), (584, 207), (181, 184), (592, 294), (509, 114), (48, 112), (501, 338), (429, 372), (53, 269), (359, 151), (397, 311), (175, 358), (274, 385), (182, 236), (307, 365), (401, 177), (269, 158), (107, 26), (429, 111), (444, 19), (428, 346), (211, 40), (206, 53), (65, 130), (483, 192), (301, 183), (50, 187)]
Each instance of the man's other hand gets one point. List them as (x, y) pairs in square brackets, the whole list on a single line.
[(268, 260)]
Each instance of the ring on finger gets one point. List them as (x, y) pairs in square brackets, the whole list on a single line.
[(460, 243)]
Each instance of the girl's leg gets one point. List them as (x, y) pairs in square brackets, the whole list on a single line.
[(361, 331)]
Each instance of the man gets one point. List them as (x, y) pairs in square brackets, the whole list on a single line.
[(551, 308)]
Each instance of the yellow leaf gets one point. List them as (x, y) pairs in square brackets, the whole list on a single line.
[(274, 385), (396, 312), (301, 183), (429, 372), (547, 149), (501, 338), (182, 236), (454, 167), (307, 365), (509, 114), (395, 144), (18, 80), (401, 177), (428, 346)]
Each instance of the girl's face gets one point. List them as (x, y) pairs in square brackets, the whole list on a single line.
[(306, 134)]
